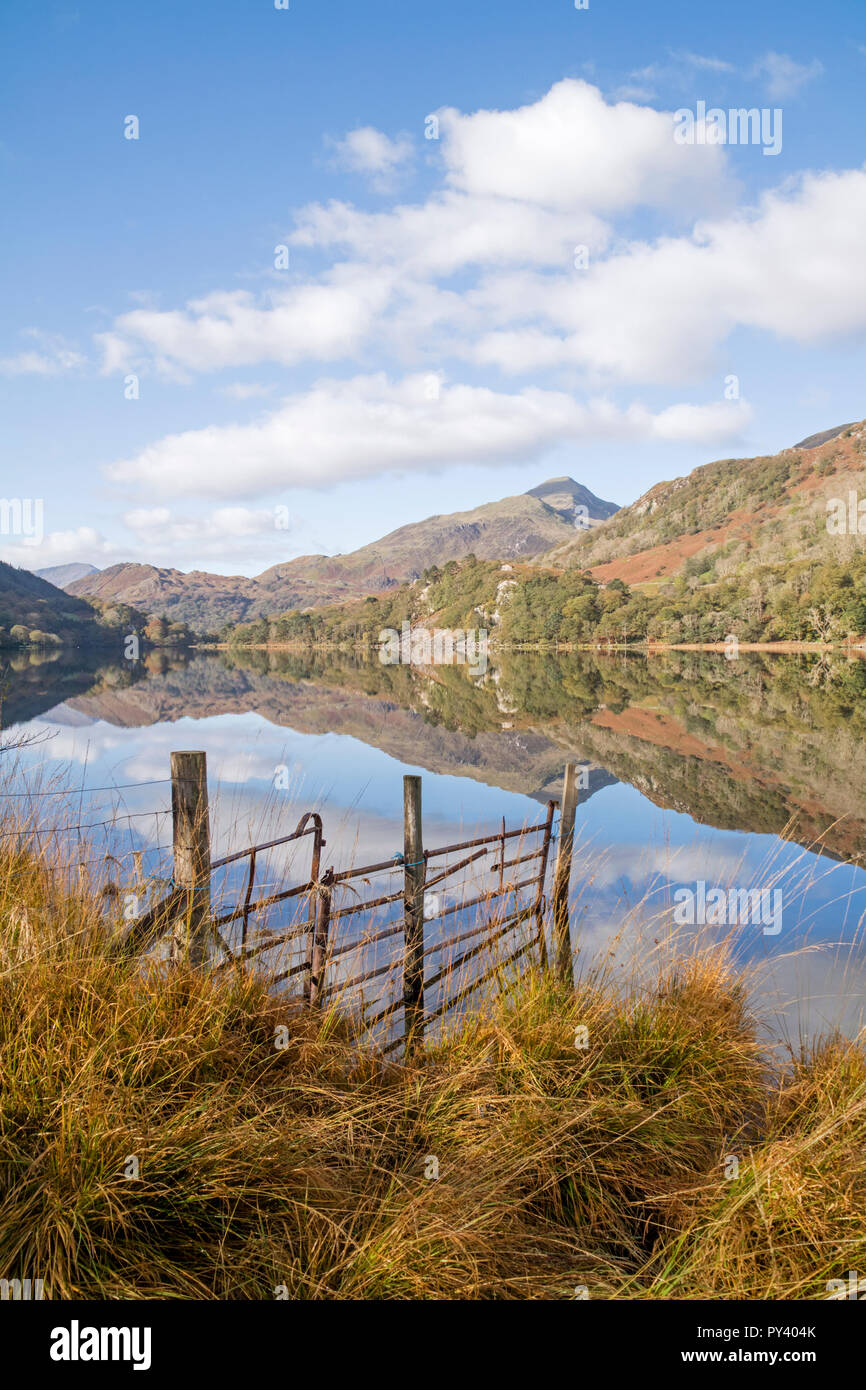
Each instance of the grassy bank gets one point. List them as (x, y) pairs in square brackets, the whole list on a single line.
[(301, 1168)]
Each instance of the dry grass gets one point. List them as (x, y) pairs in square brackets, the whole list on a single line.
[(302, 1168)]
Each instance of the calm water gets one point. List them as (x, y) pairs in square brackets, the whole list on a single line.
[(693, 770)]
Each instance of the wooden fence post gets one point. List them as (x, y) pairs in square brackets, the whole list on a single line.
[(414, 875), (562, 873), (191, 828)]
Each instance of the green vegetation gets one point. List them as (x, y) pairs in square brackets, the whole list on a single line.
[(804, 601), (300, 1171)]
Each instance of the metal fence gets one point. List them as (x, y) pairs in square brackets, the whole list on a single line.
[(330, 965)]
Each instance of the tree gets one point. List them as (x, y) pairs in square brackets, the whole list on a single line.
[(157, 629), (824, 622)]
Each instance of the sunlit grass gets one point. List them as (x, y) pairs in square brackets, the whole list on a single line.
[(550, 1140)]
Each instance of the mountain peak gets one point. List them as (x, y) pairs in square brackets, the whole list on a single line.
[(563, 495)]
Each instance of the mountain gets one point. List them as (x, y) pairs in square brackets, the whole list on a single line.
[(61, 575), (761, 550), (205, 601), (727, 518), (513, 528)]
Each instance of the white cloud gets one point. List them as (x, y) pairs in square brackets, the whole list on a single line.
[(520, 188), (241, 536), (574, 150), (784, 76), (323, 320), (82, 543), (147, 518), (52, 356), (659, 312), (371, 152), (708, 64), (634, 91), (697, 424), (199, 534), (450, 232), (370, 425), (643, 312), (483, 272)]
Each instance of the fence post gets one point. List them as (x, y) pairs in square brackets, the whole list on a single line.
[(414, 874), (562, 873), (320, 939), (191, 829)]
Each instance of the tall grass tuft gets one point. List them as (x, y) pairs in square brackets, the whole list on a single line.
[(172, 1134)]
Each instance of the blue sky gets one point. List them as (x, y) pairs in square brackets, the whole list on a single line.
[(431, 344)]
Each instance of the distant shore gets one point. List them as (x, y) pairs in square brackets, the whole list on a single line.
[(645, 648)]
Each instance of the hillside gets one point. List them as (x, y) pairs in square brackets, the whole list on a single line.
[(206, 601), (30, 602), (515, 527), (728, 518)]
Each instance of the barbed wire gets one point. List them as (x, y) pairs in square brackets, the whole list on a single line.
[(23, 831), (81, 791)]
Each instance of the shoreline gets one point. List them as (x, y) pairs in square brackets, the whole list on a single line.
[(639, 648)]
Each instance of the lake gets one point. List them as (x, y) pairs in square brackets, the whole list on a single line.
[(697, 773)]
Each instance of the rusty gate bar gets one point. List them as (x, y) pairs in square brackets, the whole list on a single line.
[(395, 864), (297, 834)]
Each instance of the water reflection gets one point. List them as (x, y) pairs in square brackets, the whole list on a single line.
[(692, 768)]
